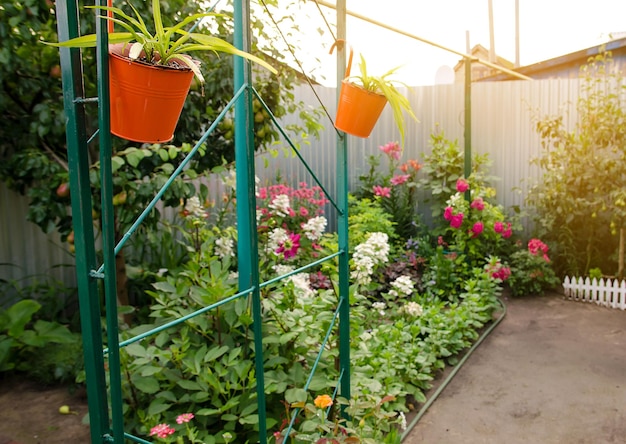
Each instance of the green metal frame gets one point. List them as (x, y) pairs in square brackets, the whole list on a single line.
[(97, 282)]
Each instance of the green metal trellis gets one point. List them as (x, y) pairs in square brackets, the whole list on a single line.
[(102, 365)]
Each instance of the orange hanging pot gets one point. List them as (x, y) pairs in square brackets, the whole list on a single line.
[(146, 100), (358, 109)]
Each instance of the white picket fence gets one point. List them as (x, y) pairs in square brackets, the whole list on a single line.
[(610, 293)]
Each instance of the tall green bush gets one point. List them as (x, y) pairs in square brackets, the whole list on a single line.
[(580, 201)]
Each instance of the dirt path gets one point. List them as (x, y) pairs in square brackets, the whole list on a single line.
[(30, 415), (552, 372)]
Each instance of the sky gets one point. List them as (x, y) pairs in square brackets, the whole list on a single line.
[(548, 28)]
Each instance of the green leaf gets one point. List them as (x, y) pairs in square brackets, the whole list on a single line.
[(157, 406), (133, 158), (250, 419), (19, 315), (145, 384), (296, 395), (215, 353), (189, 385)]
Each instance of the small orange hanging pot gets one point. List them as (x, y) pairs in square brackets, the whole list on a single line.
[(146, 100), (358, 110)]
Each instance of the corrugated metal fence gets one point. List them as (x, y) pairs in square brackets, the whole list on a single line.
[(503, 120)]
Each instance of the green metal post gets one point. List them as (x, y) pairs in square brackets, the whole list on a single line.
[(342, 223), (247, 243), (78, 161), (108, 229), (468, 117)]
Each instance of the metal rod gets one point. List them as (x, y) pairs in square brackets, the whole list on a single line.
[(414, 37), (247, 245)]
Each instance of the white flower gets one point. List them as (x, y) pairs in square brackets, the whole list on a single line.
[(224, 247), (281, 205), (234, 275), (302, 285), (380, 306), (402, 286), (282, 269), (314, 227), (372, 252), (194, 208), (277, 237), (402, 420), (413, 309), (230, 180)]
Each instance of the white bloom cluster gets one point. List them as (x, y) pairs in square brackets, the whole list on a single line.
[(403, 424), (372, 252), (380, 306), (194, 208), (301, 281), (314, 227), (402, 286), (224, 247), (277, 237), (413, 309), (455, 199), (230, 180), (281, 205)]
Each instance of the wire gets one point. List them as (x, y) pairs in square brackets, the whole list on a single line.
[(325, 21), (308, 80)]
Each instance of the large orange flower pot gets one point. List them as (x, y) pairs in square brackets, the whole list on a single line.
[(146, 100), (358, 110)]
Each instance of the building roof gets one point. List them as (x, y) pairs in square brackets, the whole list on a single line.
[(556, 67)]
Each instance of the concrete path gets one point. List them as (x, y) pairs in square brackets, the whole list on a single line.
[(552, 372)]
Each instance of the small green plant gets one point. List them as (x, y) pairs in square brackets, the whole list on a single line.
[(163, 45), (531, 270), (18, 337)]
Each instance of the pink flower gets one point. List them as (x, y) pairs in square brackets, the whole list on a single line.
[(535, 246), (498, 227), (392, 149), (456, 221), (398, 180), (507, 233), (290, 247), (440, 240), (503, 273), (185, 417), (478, 204), (462, 186), (447, 213), (477, 229), (304, 212), (381, 191), (546, 258), (161, 431)]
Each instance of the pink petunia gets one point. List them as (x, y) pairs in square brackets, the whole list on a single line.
[(381, 191), (447, 213), (498, 227), (462, 186), (290, 247), (508, 232), (456, 221), (399, 180)]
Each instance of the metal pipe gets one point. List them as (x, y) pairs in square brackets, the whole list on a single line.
[(414, 37)]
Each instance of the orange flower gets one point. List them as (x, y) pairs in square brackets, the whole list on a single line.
[(323, 401), (415, 164)]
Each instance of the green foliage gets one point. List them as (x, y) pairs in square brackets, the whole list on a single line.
[(367, 216), (443, 167), (531, 271), (21, 338), (395, 190), (580, 202)]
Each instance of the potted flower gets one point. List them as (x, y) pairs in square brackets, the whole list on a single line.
[(151, 72), (363, 98)]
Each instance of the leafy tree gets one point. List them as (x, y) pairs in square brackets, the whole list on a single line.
[(580, 201), (33, 158)]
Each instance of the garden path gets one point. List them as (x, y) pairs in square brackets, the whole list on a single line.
[(552, 372)]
